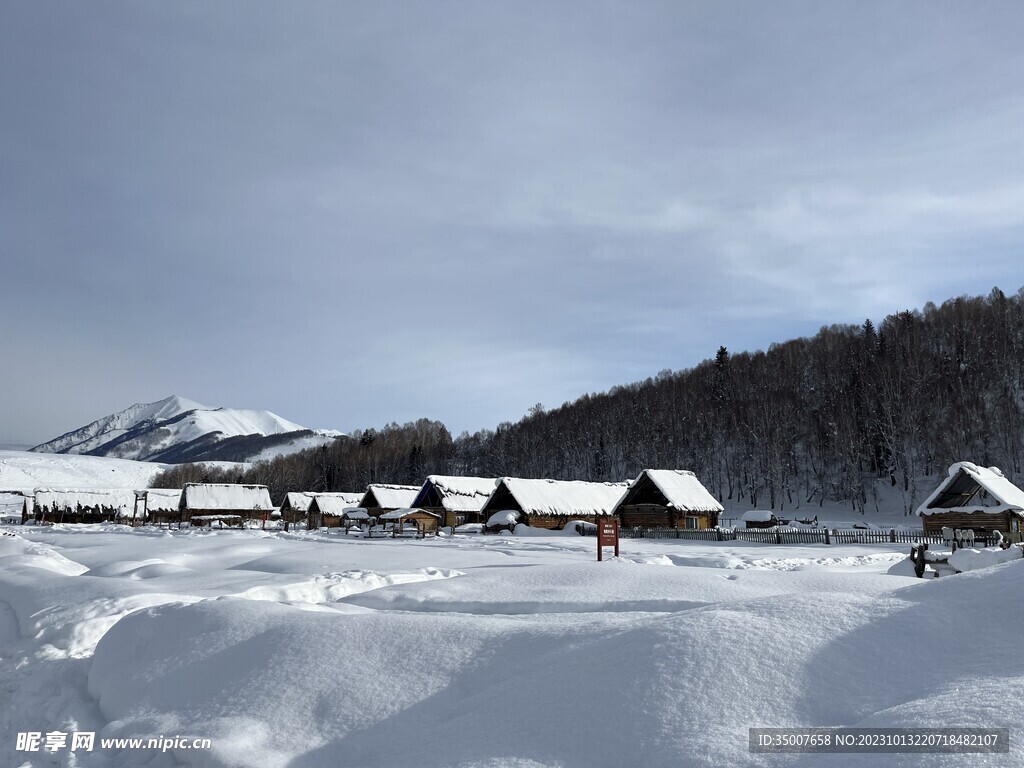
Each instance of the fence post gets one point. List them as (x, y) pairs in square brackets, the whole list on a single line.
[(827, 539)]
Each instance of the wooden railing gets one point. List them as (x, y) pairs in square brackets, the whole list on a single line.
[(785, 536)]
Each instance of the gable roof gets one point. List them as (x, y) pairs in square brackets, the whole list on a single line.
[(391, 496), (963, 482), (298, 500), (457, 494), (680, 487), (560, 497), (224, 496)]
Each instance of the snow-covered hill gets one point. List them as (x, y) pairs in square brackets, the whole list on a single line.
[(176, 429), (23, 471)]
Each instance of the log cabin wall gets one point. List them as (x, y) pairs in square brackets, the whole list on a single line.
[(548, 522), (428, 523), (660, 516), (1004, 522), (558, 522), (646, 516), (447, 517)]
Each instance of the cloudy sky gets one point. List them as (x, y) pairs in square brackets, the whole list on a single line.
[(357, 213)]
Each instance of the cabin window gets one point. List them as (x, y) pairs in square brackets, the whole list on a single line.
[(692, 523)]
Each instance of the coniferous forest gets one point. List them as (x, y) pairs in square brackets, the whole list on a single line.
[(827, 418)]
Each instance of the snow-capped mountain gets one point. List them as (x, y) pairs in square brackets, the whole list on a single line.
[(176, 430)]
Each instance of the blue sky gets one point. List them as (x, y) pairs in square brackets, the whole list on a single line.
[(356, 213)]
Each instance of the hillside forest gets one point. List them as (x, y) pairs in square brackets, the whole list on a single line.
[(827, 418)]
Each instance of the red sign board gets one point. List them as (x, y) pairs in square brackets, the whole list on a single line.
[(607, 536)]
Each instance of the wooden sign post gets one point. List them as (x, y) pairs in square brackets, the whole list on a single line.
[(607, 536)]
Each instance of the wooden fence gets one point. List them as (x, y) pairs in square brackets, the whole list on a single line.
[(776, 536)]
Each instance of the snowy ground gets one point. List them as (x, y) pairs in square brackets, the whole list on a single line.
[(315, 649)]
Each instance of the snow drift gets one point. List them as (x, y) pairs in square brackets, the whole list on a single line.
[(286, 650)]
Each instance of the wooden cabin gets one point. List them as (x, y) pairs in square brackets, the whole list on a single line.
[(456, 500), (550, 503), (398, 521), (975, 498), (211, 501), (668, 498), (328, 510), (90, 505), (380, 498), (296, 506)]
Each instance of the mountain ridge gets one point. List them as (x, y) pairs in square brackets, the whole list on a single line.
[(176, 429)]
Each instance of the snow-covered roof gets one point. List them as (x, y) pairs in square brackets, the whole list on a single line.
[(163, 499), (298, 500), (459, 494), (681, 489), (758, 516), (89, 498), (399, 514), (963, 482), (561, 497), (393, 496), (335, 504), (221, 496)]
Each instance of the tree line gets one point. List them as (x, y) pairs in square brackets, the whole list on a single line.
[(826, 418)]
